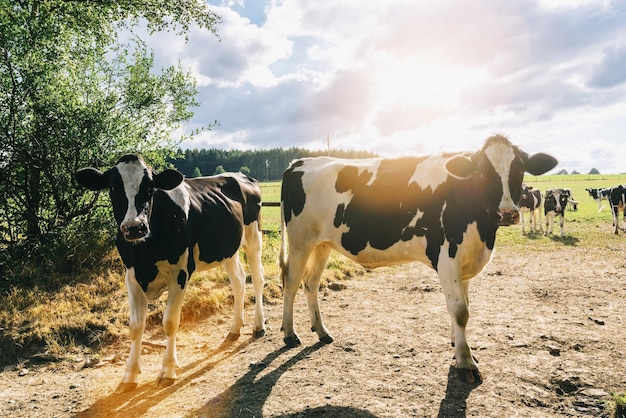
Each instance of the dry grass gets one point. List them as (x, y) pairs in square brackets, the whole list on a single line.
[(81, 317)]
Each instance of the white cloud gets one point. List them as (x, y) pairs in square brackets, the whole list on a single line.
[(403, 77)]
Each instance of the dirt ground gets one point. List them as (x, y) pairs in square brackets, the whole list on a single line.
[(549, 330)]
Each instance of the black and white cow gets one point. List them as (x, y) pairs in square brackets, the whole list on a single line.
[(599, 195), (170, 227), (530, 202), (617, 199), (554, 205), (442, 210), (572, 204)]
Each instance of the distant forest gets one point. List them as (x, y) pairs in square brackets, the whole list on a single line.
[(264, 165)]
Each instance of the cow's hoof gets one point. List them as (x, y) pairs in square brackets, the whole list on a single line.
[(258, 333), (292, 341), (232, 336), (326, 339), (470, 376), (125, 387), (164, 382)]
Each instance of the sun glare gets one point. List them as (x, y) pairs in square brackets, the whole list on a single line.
[(424, 83)]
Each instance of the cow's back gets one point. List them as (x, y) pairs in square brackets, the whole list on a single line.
[(220, 207)]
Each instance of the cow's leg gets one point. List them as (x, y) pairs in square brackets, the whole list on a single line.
[(523, 216), (454, 290), (138, 305), (317, 261), (237, 276), (562, 224), (292, 277), (252, 246), (171, 321), (549, 222)]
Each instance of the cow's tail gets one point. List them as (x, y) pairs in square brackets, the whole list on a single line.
[(282, 256)]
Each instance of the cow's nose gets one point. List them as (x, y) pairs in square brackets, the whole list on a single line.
[(508, 216), (134, 230)]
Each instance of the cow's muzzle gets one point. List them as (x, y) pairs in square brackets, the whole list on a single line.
[(508, 216), (134, 230)]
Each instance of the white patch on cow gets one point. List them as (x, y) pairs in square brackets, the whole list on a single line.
[(132, 173), (430, 173), (501, 156), (180, 196), (473, 252)]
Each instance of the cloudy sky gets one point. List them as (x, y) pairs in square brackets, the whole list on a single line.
[(404, 77)]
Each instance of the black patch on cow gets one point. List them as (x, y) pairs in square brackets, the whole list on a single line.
[(381, 212), (182, 278), (292, 192), (339, 215)]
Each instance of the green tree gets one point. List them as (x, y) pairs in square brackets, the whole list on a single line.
[(219, 170), (244, 170), (72, 95), (196, 172)]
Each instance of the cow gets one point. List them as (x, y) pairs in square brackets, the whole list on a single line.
[(442, 210), (599, 195), (554, 205), (617, 199), (572, 204), (530, 202), (170, 226)]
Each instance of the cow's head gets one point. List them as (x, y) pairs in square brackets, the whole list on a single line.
[(131, 185), (500, 166)]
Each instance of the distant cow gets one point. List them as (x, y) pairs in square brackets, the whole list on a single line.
[(617, 198), (554, 206), (599, 195), (169, 227), (530, 202), (571, 203), (442, 210)]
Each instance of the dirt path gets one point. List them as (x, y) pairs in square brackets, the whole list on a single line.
[(549, 331)]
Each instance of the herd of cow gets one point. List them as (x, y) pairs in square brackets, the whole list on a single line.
[(442, 210), (556, 200)]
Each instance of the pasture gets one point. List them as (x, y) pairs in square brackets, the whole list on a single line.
[(547, 323)]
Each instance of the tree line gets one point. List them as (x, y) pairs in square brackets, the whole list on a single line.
[(264, 165)]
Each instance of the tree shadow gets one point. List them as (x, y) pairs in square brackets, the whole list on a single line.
[(454, 405), (147, 395), (246, 397)]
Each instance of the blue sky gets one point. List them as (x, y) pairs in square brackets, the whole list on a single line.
[(400, 77)]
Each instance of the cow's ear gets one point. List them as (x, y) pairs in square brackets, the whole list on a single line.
[(460, 166), (92, 178), (540, 163), (168, 179)]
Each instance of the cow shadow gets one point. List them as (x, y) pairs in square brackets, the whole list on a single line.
[(534, 234), (247, 396), (454, 405), (147, 395), (566, 240)]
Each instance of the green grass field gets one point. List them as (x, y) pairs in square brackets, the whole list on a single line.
[(585, 226)]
